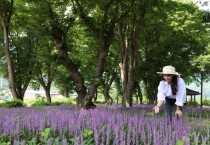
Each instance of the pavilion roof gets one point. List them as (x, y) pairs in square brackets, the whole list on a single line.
[(192, 92)]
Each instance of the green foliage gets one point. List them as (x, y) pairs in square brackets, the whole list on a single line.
[(167, 32), (193, 103), (40, 104), (70, 101), (100, 102), (180, 142), (206, 102), (5, 143), (45, 135), (39, 97), (12, 103), (63, 82), (88, 136), (87, 132)]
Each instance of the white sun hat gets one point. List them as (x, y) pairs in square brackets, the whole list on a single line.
[(169, 70)]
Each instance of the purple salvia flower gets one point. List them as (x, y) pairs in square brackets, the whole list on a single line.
[(71, 125), (122, 138), (133, 135), (116, 129), (203, 140), (81, 136), (64, 141), (201, 122), (96, 136), (108, 131), (129, 132), (23, 142), (16, 142), (57, 141), (143, 136), (154, 137), (196, 138), (49, 141), (102, 135)]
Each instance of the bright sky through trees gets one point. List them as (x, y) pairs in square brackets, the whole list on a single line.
[(203, 4)]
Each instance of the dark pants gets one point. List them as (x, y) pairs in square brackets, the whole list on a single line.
[(170, 107)]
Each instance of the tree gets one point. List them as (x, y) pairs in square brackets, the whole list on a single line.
[(172, 36), (5, 17), (19, 47), (101, 25), (63, 82), (45, 65)]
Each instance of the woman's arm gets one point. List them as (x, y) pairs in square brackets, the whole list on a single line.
[(181, 93), (180, 96), (157, 107), (160, 96)]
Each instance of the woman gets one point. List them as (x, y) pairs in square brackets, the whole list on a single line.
[(171, 92)]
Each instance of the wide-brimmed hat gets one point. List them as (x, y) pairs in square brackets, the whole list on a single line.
[(169, 70)]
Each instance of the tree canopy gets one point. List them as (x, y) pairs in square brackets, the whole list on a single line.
[(87, 45)]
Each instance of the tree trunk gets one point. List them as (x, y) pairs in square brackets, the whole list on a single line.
[(46, 84), (127, 65), (96, 95), (123, 61), (59, 35), (151, 91), (108, 98), (139, 93), (47, 93), (21, 91), (106, 31), (107, 86), (72, 69), (5, 20), (66, 93)]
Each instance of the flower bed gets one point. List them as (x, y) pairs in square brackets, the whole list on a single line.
[(114, 125)]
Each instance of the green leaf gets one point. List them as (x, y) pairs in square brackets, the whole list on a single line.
[(87, 132), (46, 132), (180, 142)]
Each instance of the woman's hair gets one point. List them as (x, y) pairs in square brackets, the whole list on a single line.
[(174, 85)]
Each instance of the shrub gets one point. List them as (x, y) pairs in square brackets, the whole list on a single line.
[(192, 103), (70, 101), (39, 103), (206, 102), (12, 103), (43, 103)]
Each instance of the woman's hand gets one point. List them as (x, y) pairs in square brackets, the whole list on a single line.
[(178, 113), (156, 109)]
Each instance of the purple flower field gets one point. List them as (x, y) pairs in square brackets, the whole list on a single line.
[(114, 125)]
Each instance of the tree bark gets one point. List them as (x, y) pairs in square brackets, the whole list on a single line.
[(107, 86), (5, 20), (127, 65), (66, 93), (71, 67), (46, 86), (123, 61), (106, 34), (96, 95), (151, 91), (139, 94), (47, 93)]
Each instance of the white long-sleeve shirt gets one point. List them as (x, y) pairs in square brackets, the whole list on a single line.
[(164, 89)]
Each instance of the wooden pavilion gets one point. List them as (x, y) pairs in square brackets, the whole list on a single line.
[(192, 93)]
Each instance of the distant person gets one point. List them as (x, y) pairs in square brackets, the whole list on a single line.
[(171, 92)]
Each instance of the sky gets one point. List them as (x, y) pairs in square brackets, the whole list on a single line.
[(200, 3)]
